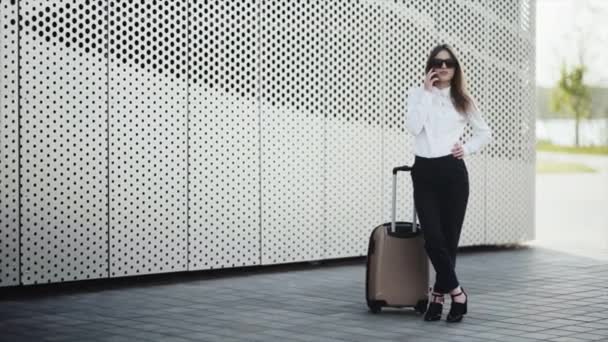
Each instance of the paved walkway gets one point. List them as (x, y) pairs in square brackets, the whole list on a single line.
[(517, 294)]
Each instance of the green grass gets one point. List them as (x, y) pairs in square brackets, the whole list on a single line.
[(543, 166), (548, 147)]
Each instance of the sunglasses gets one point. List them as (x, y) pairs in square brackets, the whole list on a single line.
[(438, 63)]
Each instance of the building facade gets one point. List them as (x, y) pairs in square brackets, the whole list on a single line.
[(144, 137)]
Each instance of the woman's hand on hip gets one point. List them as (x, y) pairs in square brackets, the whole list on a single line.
[(458, 151)]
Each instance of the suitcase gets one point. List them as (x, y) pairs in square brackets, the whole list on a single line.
[(397, 270)]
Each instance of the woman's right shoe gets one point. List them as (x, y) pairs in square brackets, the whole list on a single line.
[(433, 312), (457, 310)]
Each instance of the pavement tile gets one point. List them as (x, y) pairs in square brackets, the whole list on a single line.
[(326, 303)]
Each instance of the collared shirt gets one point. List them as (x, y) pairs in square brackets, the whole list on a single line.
[(437, 125)]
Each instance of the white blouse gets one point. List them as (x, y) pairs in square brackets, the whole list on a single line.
[(437, 126)]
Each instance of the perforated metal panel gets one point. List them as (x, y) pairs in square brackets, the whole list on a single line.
[(148, 137), (292, 132), (354, 110), (224, 134), (167, 136), (9, 146), (511, 157), (63, 114)]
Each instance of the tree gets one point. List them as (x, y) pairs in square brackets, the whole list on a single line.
[(571, 96)]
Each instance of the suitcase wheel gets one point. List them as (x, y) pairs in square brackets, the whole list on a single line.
[(375, 307), (421, 305)]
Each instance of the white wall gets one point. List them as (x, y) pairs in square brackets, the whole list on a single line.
[(191, 136)]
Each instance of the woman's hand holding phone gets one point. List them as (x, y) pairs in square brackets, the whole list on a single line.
[(430, 78)]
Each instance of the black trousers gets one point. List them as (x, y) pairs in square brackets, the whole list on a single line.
[(441, 193)]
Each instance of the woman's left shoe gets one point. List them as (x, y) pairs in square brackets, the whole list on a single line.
[(433, 312), (457, 310)]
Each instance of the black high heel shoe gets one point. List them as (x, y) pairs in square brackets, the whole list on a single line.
[(433, 313), (457, 310)]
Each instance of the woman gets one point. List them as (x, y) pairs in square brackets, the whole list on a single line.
[(437, 113)]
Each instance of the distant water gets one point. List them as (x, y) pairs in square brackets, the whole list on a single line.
[(561, 131)]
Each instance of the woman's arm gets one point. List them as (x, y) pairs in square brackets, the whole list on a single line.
[(482, 134), (418, 104)]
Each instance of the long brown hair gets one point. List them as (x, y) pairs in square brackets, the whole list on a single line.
[(458, 92)]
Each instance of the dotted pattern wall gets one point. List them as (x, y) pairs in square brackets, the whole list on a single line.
[(64, 192), (354, 76), (9, 146), (292, 131), (224, 134), (148, 84), (511, 157), (169, 136)]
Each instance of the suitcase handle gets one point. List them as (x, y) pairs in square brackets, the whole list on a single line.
[(394, 205), (401, 168)]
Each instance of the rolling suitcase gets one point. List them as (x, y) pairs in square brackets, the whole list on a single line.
[(397, 271)]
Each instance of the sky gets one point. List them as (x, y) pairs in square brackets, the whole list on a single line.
[(564, 29)]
